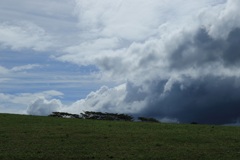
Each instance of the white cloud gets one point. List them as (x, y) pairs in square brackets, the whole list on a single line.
[(222, 19), (106, 100), (44, 107), (26, 98), (120, 37), (24, 36), (3, 70), (24, 67), (133, 20), (85, 53), (54, 16), (18, 103), (50, 24)]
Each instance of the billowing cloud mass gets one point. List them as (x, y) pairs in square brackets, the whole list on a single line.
[(175, 60), (16, 103), (172, 60), (44, 107)]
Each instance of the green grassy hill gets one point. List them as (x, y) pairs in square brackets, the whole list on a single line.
[(33, 137)]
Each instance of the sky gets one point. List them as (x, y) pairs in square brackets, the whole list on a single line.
[(177, 61)]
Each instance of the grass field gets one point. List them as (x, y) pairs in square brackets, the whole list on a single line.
[(33, 137)]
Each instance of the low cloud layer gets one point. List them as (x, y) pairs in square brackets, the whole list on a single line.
[(41, 106), (17, 103)]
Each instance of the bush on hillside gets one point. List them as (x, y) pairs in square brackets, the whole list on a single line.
[(144, 119)]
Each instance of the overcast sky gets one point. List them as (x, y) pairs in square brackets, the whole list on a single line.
[(177, 61)]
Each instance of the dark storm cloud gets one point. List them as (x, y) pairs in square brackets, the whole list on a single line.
[(195, 52), (210, 99), (204, 50), (207, 98), (134, 93), (231, 54)]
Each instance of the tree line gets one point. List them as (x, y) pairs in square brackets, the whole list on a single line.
[(102, 116), (106, 116)]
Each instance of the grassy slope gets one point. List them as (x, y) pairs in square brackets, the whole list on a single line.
[(30, 137)]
